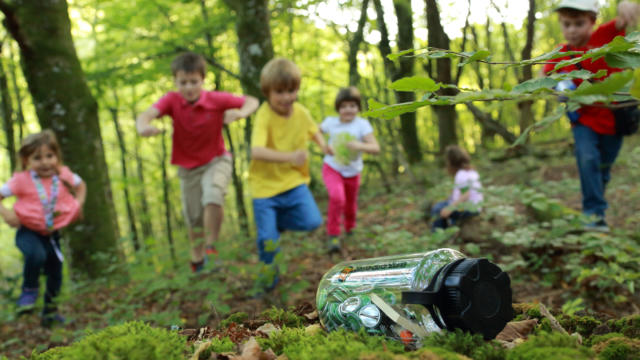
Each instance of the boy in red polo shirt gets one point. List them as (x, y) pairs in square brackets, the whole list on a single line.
[(596, 142), (198, 149)]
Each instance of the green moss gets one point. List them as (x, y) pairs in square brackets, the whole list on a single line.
[(133, 340), (629, 326), (601, 338), (282, 317), (471, 345), (546, 346), (583, 325), (528, 309), (618, 348), (435, 353), (222, 345), (237, 318), (295, 344)]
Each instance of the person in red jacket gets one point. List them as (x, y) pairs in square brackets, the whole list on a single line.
[(596, 142)]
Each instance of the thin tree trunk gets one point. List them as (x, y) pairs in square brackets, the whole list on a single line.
[(125, 175), (64, 103), (20, 114), (354, 46), (446, 113), (526, 112), (167, 200), (7, 115)]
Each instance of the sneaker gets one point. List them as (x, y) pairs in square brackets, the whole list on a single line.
[(599, 226), (196, 267), (27, 300), (333, 244), (52, 319), (210, 250)]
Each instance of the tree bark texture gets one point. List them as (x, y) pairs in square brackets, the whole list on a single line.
[(446, 114), (526, 112), (64, 103), (7, 115), (354, 45)]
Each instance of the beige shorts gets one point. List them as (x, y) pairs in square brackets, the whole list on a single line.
[(203, 185)]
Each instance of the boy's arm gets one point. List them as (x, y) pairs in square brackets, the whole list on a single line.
[(8, 215), (250, 105), (628, 13), (296, 158), (319, 139), (143, 122)]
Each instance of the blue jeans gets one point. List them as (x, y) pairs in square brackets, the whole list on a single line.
[(456, 216), (595, 153), (40, 257), (293, 209)]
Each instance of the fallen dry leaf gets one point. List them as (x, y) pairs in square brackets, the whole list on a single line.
[(517, 330), (251, 351)]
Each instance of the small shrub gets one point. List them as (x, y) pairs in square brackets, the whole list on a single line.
[(237, 318), (133, 341)]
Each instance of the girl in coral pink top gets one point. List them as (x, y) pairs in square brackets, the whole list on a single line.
[(48, 197)]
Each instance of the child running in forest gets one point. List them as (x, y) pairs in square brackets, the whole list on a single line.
[(279, 169), (349, 136), (594, 131), (204, 164), (49, 197), (466, 198)]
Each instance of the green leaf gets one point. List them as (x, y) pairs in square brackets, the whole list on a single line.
[(534, 85), (608, 86), (635, 86), (475, 56), (395, 56), (623, 60), (373, 104), (391, 111), (415, 83), (576, 74)]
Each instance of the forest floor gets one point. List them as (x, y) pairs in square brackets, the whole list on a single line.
[(521, 229)]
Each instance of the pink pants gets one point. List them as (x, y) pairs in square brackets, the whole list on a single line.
[(343, 199)]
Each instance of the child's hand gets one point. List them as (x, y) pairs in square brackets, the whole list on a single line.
[(628, 13), (328, 149), (149, 130), (232, 115), (298, 157), (11, 219), (354, 145), (445, 213)]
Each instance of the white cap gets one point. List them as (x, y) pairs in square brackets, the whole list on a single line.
[(584, 5)]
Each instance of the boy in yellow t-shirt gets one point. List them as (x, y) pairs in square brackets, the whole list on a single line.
[(279, 170)]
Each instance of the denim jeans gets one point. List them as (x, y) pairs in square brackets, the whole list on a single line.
[(595, 153), (293, 209), (443, 223), (40, 257)]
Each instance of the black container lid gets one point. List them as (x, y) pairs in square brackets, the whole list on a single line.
[(470, 294)]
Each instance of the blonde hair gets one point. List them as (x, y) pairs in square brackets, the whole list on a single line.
[(456, 158), (34, 142), (350, 93), (279, 74)]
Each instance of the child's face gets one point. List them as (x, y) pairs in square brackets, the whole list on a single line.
[(43, 161), (189, 84), (576, 29), (348, 111), (281, 100)]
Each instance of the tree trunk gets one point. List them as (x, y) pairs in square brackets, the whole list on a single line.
[(354, 46), (20, 114), (526, 113), (447, 113), (167, 200), (408, 130), (7, 115), (64, 103), (125, 176), (255, 48)]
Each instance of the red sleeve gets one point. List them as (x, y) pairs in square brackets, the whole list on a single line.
[(14, 183), (164, 104), (225, 100), (66, 175), (548, 67), (604, 34)]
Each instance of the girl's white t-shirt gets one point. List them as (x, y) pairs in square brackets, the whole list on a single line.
[(467, 180), (358, 128)]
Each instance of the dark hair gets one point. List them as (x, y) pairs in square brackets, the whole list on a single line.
[(33, 142), (456, 158), (189, 62), (574, 13), (350, 93), (279, 74)]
